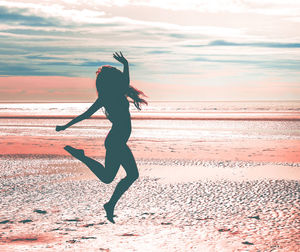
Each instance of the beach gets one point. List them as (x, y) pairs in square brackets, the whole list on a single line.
[(214, 177)]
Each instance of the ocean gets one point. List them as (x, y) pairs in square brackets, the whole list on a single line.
[(257, 131), (167, 110)]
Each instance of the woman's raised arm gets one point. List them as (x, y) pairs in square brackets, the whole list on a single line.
[(123, 60), (87, 114)]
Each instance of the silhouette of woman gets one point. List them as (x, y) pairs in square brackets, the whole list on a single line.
[(113, 90)]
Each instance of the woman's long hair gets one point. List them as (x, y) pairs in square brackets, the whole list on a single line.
[(110, 83)]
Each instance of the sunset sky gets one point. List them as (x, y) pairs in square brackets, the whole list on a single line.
[(177, 50)]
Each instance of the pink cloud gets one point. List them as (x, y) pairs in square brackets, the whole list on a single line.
[(56, 88), (47, 88)]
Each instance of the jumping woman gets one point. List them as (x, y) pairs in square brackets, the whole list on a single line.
[(113, 91)]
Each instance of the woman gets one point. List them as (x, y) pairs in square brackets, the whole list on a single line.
[(113, 90)]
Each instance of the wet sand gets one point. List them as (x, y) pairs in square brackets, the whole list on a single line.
[(54, 203), (252, 141)]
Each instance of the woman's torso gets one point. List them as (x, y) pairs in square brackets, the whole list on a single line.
[(117, 110)]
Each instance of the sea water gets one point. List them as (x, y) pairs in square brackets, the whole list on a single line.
[(31, 126)]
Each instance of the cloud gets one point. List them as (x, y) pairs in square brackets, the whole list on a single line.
[(98, 63), (19, 16), (47, 88), (255, 44), (267, 7), (249, 44), (20, 69), (159, 52), (57, 88), (40, 57), (50, 66), (192, 44), (262, 63), (57, 10)]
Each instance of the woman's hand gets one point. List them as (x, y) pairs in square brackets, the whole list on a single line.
[(59, 128), (120, 58)]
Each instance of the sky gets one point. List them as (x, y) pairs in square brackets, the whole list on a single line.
[(235, 50)]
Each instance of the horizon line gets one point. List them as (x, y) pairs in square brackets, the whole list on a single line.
[(5, 102), (204, 118)]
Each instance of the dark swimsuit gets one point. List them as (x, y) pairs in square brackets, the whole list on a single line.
[(119, 115)]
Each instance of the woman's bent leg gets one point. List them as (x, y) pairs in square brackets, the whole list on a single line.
[(112, 163), (129, 164)]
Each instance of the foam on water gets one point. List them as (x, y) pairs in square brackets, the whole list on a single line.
[(166, 110)]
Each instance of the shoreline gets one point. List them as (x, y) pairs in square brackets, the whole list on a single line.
[(177, 117)]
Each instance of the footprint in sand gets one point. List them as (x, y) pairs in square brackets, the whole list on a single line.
[(254, 217), (88, 225), (166, 223), (40, 211), (129, 234), (73, 220), (6, 221), (247, 243), (25, 221), (224, 229), (88, 237), (71, 241)]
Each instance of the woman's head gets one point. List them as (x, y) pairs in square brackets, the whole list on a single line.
[(110, 83), (109, 80)]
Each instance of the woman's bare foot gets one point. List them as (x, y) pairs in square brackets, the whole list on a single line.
[(77, 153), (109, 212)]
